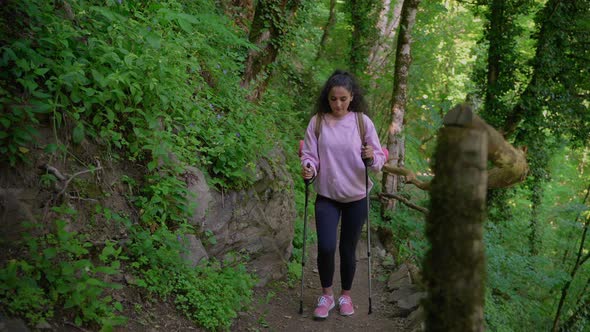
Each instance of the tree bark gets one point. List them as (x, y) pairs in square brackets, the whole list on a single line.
[(494, 54), (536, 200), (270, 25), (455, 264), (327, 29), (403, 60), (364, 33), (540, 72), (387, 25)]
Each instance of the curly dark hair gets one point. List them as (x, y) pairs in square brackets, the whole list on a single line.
[(346, 80)]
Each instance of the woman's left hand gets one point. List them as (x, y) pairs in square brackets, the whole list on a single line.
[(367, 152)]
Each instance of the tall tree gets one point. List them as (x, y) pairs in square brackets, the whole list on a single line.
[(403, 59), (363, 15), (504, 61), (581, 258), (327, 29), (556, 96), (272, 21), (581, 312), (387, 25)]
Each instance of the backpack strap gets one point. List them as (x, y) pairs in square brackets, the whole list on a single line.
[(360, 121), (318, 124)]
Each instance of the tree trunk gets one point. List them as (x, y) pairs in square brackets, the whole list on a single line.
[(582, 312), (364, 33), (536, 200), (580, 259), (387, 25), (241, 11), (541, 71), (454, 266), (271, 23), (327, 28), (494, 53), (403, 60)]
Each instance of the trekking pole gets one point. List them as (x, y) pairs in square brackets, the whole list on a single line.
[(307, 182), (366, 161)]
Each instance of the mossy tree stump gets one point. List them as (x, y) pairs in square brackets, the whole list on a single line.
[(455, 264)]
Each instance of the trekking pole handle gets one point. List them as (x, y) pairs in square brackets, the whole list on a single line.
[(307, 181), (365, 160)]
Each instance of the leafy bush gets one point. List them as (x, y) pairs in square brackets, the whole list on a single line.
[(147, 79), (210, 294), (60, 273)]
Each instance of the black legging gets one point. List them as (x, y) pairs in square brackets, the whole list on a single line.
[(327, 214)]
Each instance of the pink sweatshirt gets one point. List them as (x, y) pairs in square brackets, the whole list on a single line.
[(339, 166)]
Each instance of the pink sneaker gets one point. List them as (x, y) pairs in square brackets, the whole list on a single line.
[(345, 305), (325, 304)]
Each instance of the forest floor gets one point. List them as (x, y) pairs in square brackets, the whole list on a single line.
[(276, 306)]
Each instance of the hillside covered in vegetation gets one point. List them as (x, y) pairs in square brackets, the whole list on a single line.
[(148, 149)]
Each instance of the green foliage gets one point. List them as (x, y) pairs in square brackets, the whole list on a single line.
[(146, 79), (408, 227), (59, 272), (294, 265), (522, 288), (364, 16), (210, 294), (164, 201)]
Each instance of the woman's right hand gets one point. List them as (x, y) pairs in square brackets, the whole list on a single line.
[(307, 172)]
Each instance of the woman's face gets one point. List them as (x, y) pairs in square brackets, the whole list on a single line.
[(339, 98)]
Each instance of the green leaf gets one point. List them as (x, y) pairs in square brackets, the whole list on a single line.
[(50, 148), (50, 252), (5, 122), (78, 134), (153, 39), (41, 71)]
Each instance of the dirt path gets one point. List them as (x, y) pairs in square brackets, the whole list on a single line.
[(276, 307)]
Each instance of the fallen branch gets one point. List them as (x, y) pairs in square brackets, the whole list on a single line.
[(405, 201), (408, 174), (73, 176), (54, 171)]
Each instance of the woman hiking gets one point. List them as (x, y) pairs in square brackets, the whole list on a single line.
[(338, 138)]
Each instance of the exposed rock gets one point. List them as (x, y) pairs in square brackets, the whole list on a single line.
[(13, 325), (416, 320), (195, 251), (43, 325), (258, 221), (399, 278), (415, 275), (401, 293), (412, 301), (14, 212)]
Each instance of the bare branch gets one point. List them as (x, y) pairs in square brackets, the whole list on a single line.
[(405, 201), (410, 176), (73, 176), (54, 171)]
